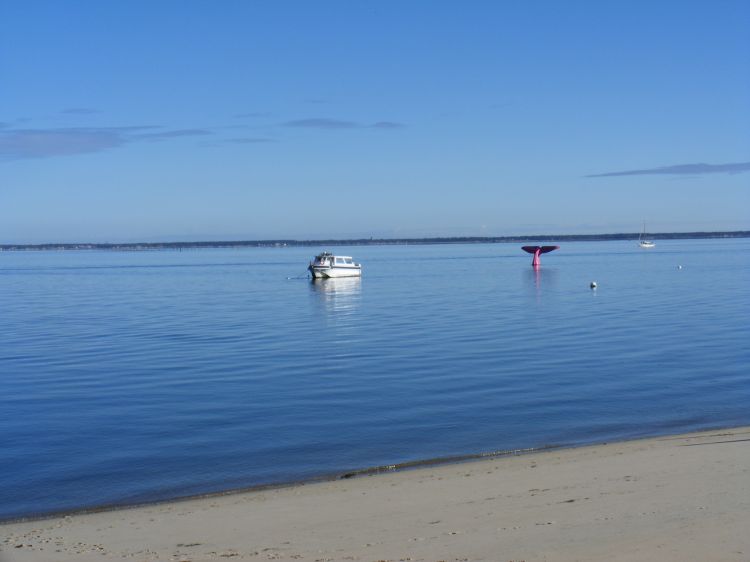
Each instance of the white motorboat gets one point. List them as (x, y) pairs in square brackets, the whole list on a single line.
[(642, 241), (326, 265)]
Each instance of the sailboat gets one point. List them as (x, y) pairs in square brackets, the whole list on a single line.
[(642, 241)]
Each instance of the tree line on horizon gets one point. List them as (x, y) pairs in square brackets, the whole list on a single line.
[(371, 241)]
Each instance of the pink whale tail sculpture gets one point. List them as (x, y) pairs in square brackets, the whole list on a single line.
[(537, 251)]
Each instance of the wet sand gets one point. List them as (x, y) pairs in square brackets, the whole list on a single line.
[(675, 498)]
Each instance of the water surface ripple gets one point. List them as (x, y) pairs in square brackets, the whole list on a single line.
[(134, 376)]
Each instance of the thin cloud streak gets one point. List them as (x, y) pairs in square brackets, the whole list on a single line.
[(251, 114), (18, 144), (387, 125), (249, 140), (79, 111), (682, 169), (322, 123), (327, 123), (172, 134), (44, 143)]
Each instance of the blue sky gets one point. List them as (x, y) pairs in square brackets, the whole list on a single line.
[(182, 120)]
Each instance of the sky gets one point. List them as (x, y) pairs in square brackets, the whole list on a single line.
[(186, 120)]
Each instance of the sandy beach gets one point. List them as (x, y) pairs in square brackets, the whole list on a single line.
[(683, 497)]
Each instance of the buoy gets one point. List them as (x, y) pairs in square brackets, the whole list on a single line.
[(593, 285)]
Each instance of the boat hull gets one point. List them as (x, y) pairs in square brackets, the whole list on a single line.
[(318, 272)]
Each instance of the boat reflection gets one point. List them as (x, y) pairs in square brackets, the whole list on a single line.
[(338, 294)]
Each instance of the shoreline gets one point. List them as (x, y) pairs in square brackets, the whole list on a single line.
[(286, 242), (344, 475), (655, 498), (333, 477)]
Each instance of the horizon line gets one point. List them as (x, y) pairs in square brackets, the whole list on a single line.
[(376, 241)]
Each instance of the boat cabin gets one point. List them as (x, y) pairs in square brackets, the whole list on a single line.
[(328, 265)]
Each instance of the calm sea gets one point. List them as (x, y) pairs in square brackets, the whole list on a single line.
[(133, 376)]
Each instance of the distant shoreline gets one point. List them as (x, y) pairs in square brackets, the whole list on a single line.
[(281, 243)]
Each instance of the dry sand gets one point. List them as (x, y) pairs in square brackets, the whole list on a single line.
[(672, 498)]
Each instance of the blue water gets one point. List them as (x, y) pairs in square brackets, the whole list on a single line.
[(134, 376)]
